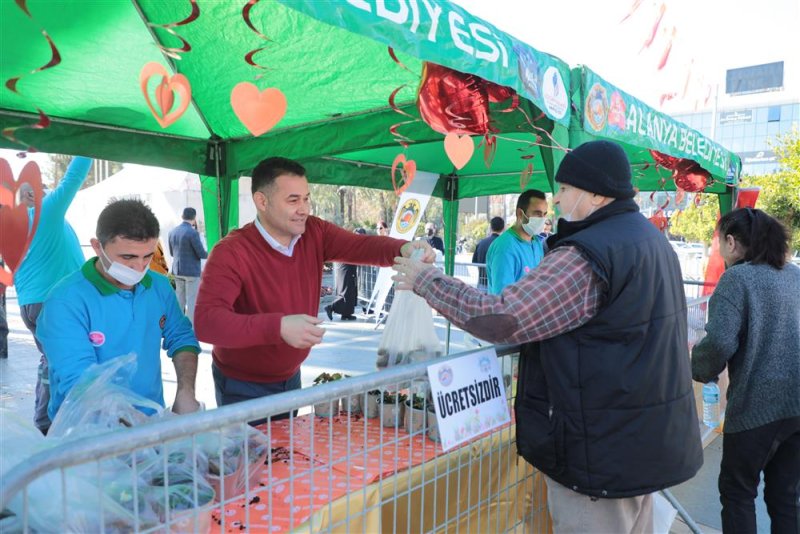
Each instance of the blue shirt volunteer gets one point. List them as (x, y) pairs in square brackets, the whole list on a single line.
[(88, 320)]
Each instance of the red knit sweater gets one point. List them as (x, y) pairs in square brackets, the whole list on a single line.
[(247, 287)]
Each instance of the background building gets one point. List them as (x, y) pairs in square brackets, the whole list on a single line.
[(752, 106)]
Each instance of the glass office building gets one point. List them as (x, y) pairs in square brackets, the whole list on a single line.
[(755, 104)]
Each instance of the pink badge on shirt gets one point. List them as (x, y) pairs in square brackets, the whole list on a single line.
[(527, 269), (97, 338)]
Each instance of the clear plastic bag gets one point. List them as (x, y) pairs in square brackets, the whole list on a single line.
[(101, 400), (409, 335)]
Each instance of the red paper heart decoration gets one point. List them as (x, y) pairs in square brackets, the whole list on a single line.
[(459, 149), (408, 171), (164, 93), (14, 229), (258, 110)]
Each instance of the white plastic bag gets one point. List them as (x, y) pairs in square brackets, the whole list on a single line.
[(409, 335)]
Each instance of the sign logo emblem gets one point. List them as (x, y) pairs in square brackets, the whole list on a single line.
[(97, 339), (445, 375), (554, 93), (409, 215), (596, 110)]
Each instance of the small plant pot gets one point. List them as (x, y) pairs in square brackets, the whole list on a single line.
[(373, 407), (392, 414), (414, 419), (433, 427), (351, 404), (327, 408)]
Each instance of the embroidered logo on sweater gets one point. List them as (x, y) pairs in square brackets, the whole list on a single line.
[(162, 321)]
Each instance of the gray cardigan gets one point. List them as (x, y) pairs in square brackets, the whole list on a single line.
[(754, 328)]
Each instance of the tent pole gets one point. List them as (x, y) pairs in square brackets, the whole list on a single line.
[(450, 209)]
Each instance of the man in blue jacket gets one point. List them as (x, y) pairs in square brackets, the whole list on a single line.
[(114, 306), (53, 254), (187, 250)]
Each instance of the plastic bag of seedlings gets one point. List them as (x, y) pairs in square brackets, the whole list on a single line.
[(409, 335)]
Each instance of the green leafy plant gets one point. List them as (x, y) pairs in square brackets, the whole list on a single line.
[(392, 398), (324, 378)]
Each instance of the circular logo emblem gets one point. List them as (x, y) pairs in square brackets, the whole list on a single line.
[(162, 321), (409, 214), (596, 110), (485, 364), (528, 71), (554, 93), (445, 375), (96, 338)]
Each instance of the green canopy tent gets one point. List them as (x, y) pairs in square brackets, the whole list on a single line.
[(602, 111), (330, 59)]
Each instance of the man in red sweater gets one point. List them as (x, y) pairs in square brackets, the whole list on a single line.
[(259, 293)]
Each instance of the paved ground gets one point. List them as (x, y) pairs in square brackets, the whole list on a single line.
[(348, 347)]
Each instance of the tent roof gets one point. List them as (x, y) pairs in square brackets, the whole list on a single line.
[(330, 59)]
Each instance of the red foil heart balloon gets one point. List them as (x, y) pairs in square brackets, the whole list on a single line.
[(668, 162), (690, 176), (453, 102)]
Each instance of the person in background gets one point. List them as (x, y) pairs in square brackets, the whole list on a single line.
[(346, 289), (754, 330), (604, 405), (433, 240), (496, 226), (382, 228), (519, 249), (546, 232), (159, 262), (53, 254), (259, 297), (114, 305), (186, 249)]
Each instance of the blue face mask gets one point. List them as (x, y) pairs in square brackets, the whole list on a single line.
[(122, 273)]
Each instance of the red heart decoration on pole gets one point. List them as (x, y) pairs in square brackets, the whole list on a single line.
[(258, 110), (14, 224), (164, 93), (459, 148), (408, 171)]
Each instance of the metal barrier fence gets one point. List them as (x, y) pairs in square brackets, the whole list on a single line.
[(350, 471), (366, 466), (466, 272)]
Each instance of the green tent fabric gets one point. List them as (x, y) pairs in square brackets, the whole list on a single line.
[(331, 61)]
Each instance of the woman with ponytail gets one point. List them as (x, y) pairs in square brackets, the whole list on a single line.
[(754, 329)]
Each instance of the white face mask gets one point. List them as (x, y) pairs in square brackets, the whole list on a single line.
[(534, 226), (122, 273), (569, 216)]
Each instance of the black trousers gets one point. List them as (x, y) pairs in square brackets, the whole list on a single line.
[(774, 449)]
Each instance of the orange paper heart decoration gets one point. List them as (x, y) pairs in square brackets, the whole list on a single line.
[(408, 171), (459, 149), (258, 110), (164, 93), (14, 225), (525, 176)]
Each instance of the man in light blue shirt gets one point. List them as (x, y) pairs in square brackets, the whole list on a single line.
[(53, 254), (113, 306), (519, 249)]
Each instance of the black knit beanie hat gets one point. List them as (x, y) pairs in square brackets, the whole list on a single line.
[(599, 167)]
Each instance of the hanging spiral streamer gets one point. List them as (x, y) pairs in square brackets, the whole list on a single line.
[(173, 52), (11, 85)]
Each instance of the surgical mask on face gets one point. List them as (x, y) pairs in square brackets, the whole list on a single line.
[(569, 216), (534, 226), (122, 273)]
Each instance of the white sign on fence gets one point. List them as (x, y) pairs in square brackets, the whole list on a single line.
[(469, 396)]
